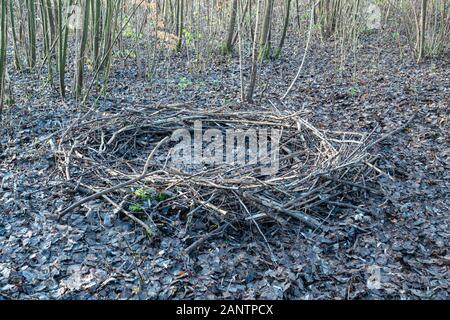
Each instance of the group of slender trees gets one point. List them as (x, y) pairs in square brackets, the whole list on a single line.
[(77, 40)]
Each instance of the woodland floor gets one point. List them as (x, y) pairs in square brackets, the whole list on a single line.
[(97, 256)]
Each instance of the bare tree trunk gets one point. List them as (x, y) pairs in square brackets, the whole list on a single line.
[(241, 73), (423, 24), (264, 43), (240, 19), (251, 87), (326, 15), (31, 12), (228, 46), (180, 21), (285, 27), (297, 7), (81, 54), (3, 46)]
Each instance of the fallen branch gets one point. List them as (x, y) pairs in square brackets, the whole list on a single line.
[(390, 134), (207, 236)]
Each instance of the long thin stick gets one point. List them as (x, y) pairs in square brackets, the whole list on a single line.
[(390, 134)]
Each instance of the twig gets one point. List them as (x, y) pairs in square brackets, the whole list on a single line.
[(119, 186), (389, 134), (347, 205), (207, 236)]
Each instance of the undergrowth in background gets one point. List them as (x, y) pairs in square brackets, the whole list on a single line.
[(75, 42)]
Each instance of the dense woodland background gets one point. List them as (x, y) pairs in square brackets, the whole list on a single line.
[(75, 43)]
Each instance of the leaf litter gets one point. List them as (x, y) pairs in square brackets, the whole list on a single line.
[(400, 251)]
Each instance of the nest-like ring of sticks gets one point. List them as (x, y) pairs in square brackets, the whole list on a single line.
[(319, 170)]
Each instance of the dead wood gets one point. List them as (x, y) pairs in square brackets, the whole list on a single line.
[(316, 167)]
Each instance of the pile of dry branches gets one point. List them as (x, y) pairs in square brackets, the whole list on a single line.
[(319, 172)]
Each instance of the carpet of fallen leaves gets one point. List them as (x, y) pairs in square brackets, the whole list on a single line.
[(400, 253)]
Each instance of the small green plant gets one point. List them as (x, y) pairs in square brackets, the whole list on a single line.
[(188, 37), (354, 90), (317, 26), (143, 194), (129, 31), (146, 194), (160, 197), (395, 35), (125, 53), (184, 83), (10, 101), (136, 208)]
